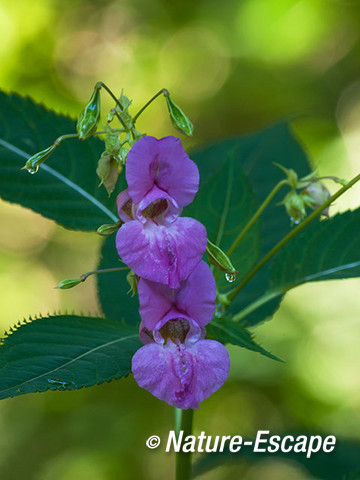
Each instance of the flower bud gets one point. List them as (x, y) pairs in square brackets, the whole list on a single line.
[(32, 165), (108, 171), (69, 283), (295, 207), (315, 195), (133, 281), (89, 118), (219, 259), (107, 229), (178, 117)]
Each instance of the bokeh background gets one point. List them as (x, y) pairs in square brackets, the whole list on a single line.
[(235, 67)]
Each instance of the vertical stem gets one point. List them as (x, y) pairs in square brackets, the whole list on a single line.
[(183, 422)]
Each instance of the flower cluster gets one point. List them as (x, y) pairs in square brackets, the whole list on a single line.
[(176, 288)]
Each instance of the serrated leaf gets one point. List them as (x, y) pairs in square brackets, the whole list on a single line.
[(116, 303), (324, 250), (226, 331), (256, 154), (65, 188), (65, 352)]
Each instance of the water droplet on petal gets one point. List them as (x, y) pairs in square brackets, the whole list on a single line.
[(230, 277)]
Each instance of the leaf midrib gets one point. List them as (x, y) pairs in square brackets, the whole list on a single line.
[(89, 352), (63, 179)]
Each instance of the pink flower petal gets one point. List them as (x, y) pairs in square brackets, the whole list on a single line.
[(165, 164), (184, 375), (195, 299), (162, 254)]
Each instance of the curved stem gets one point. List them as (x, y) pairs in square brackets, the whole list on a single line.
[(84, 276), (183, 422), (163, 90), (289, 236), (256, 216), (102, 84)]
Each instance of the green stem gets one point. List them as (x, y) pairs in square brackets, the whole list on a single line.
[(183, 421), (255, 305), (256, 216), (84, 276), (291, 235), (163, 90)]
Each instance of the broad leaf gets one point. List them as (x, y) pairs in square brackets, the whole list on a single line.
[(324, 250), (226, 331), (65, 188), (255, 154), (65, 352), (224, 204), (115, 301)]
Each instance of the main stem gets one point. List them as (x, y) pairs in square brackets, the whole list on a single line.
[(290, 235), (183, 422)]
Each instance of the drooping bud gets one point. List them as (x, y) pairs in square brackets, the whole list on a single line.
[(108, 171), (107, 229), (295, 207), (219, 259), (32, 165), (69, 283), (89, 118), (315, 195), (112, 143), (178, 118), (133, 281)]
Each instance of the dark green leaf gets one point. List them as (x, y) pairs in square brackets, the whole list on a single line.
[(226, 331), (224, 204), (115, 302), (256, 154), (65, 188), (65, 352), (324, 250)]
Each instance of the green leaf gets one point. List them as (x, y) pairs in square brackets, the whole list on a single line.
[(224, 204), (226, 331), (65, 352), (324, 250), (115, 302), (255, 154), (65, 188)]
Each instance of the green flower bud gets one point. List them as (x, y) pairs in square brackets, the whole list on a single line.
[(178, 118), (89, 118), (295, 207), (32, 165), (69, 283), (133, 281), (315, 195), (108, 171), (219, 259), (107, 229)]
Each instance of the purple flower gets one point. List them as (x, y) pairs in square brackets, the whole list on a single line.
[(155, 243), (176, 364)]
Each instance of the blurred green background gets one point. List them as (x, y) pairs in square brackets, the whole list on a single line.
[(234, 67)]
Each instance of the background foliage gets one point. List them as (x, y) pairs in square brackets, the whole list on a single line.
[(233, 73)]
